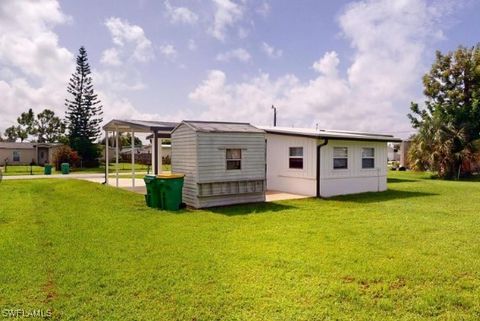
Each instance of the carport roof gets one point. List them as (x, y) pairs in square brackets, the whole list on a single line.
[(145, 126)]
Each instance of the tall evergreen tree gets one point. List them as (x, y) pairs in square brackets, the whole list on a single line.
[(84, 111)]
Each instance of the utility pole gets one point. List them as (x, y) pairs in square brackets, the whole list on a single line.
[(274, 116)]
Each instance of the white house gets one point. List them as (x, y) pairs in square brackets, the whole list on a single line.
[(325, 163)]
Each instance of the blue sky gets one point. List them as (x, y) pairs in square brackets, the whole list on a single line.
[(351, 65)]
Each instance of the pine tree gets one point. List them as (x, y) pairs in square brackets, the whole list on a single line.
[(84, 111)]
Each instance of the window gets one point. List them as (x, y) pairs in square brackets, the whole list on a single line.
[(234, 159), (368, 157), (295, 159), (340, 157), (16, 156)]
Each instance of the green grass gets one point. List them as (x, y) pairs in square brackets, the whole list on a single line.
[(14, 170), (92, 252)]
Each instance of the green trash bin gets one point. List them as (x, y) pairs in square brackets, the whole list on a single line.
[(152, 198), (170, 186), (65, 167), (47, 169)]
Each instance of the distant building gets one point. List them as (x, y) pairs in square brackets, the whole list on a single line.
[(393, 152), (26, 153), (404, 147)]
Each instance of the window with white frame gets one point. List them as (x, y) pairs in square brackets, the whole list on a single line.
[(16, 156), (368, 157), (340, 157), (295, 157), (234, 158)]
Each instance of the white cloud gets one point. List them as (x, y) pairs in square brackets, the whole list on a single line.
[(227, 13), (180, 14), (130, 39), (389, 40), (168, 51), (270, 51), (327, 65), (36, 66), (111, 56), (239, 54)]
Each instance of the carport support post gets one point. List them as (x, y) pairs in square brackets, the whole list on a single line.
[(133, 158), (107, 147), (116, 156), (155, 152), (160, 159)]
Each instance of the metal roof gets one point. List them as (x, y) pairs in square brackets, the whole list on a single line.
[(145, 126), (221, 127), (333, 134)]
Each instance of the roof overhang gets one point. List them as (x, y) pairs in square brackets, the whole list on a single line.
[(331, 135), (141, 126)]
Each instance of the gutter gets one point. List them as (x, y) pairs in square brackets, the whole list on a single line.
[(325, 142)]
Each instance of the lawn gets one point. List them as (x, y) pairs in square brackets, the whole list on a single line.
[(92, 252), (13, 170)]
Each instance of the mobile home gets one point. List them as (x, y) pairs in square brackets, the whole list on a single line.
[(325, 163)]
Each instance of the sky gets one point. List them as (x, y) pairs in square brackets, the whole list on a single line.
[(349, 65)]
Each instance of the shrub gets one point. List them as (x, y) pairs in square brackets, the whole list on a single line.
[(65, 154)]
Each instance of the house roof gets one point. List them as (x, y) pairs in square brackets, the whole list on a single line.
[(221, 127), (330, 134), (145, 126), (25, 145), (10, 145)]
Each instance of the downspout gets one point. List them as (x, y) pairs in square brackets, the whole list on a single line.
[(325, 142)]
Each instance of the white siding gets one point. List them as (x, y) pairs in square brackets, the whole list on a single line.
[(184, 160), (354, 179), (282, 178), (333, 182), (212, 169), (212, 156), (202, 157)]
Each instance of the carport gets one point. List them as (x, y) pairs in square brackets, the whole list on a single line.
[(116, 127)]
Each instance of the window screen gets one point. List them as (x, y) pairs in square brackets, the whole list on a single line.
[(340, 158), (295, 159), (234, 159), (16, 156), (368, 157)]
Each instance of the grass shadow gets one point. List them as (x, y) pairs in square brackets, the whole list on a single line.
[(400, 180), (252, 208), (377, 197)]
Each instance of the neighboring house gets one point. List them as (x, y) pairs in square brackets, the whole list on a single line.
[(143, 154), (223, 163), (26, 153), (147, 149), (325, 163), (393, 152)]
